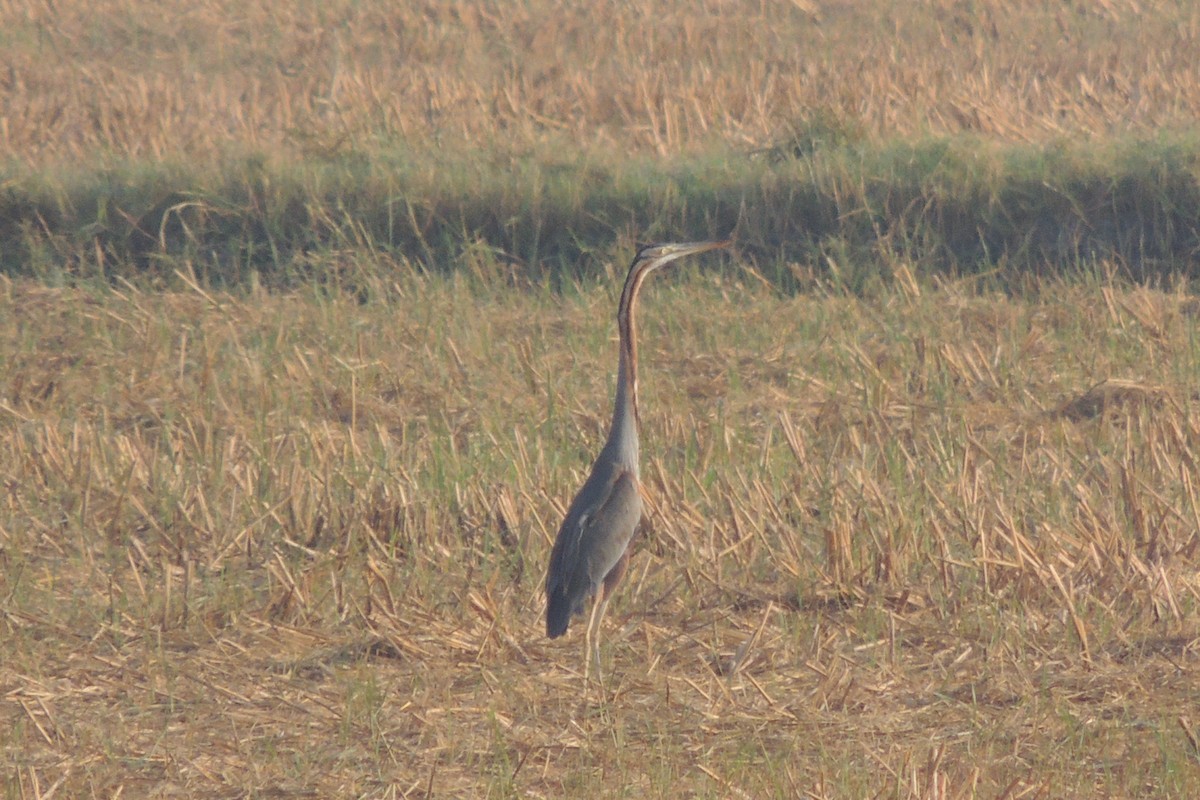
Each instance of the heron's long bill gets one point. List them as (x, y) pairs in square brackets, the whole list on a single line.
[(688, 248)]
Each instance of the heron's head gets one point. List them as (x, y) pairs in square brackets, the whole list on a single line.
[(653, 256), (649, 258)]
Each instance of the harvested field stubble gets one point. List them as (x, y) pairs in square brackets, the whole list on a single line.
[(907, 536), (131, 78), (895, 544)]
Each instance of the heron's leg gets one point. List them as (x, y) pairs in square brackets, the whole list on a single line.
[(601, 607), (610, 582), (587, 640), (615, 574)]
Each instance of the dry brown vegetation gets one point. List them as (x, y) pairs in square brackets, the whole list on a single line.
[(235, 138), (131, 77), (907, 536), (923, 544)]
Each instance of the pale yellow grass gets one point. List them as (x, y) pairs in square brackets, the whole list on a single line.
[(291, 545), (134, 78)]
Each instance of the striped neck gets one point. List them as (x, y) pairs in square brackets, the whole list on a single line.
[(624, 432)]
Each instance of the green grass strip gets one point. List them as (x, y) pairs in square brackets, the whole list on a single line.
[(849, 209)]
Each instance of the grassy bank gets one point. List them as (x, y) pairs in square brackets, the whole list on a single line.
[(836, 139), (841, 211)]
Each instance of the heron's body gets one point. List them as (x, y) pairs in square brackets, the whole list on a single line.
[(592, 548), (593, 541)]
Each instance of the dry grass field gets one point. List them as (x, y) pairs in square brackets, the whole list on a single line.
[(932, 543), (134, 78), (909, 533)]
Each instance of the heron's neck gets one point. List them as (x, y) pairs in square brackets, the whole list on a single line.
[(623, 437)]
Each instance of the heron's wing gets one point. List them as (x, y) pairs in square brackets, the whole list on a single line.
[(607, 534), (597, 529)]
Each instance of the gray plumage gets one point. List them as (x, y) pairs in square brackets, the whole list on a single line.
[(592, 548)]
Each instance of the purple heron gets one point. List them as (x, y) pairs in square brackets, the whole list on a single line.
[(592, 549)]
